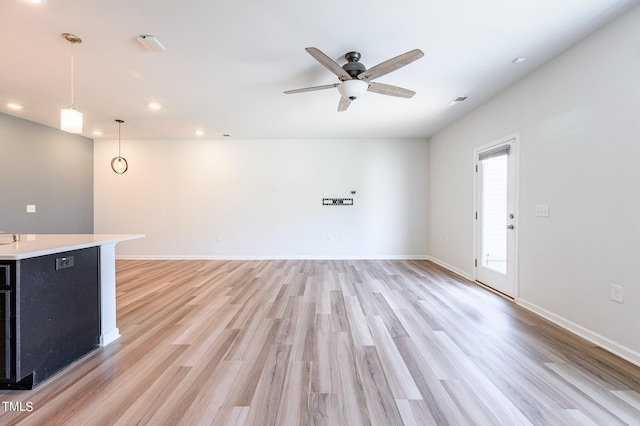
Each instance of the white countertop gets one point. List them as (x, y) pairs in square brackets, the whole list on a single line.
[(33, 245)]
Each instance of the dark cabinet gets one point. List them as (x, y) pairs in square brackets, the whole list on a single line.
[(49, 314), (5, 318)]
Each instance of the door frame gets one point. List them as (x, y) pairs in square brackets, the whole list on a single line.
[(515, 137)]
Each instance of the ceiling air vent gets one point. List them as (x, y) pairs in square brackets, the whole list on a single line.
[(152, 42), (458, 100)]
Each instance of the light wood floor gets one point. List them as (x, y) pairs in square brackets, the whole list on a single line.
[(311, 342)]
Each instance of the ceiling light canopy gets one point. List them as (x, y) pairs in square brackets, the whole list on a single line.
[(70, 118)]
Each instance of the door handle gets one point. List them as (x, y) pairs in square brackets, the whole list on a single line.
[(510, 227)]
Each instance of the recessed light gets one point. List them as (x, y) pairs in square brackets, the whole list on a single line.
[(35, 1), (458, 100), (199, 132), (97, 132), (154, 105), (519, 60), (14, 106)]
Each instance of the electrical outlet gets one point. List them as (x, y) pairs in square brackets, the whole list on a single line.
[(64, 262), (617, 293)]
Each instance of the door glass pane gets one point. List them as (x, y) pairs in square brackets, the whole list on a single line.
[(494, 213)]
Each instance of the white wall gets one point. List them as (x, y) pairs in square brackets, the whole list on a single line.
[(579, 123), (263, 198)]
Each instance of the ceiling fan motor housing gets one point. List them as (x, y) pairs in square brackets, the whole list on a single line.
[(353, 67)]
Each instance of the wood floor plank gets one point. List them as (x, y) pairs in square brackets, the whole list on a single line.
[(441, 406), (381, 404), (229, 416), (323, 409), (415, 412), (209, 404), (270, 387), (610, 402), (398, 377), (358, 326), (293, 408), (327, 342)]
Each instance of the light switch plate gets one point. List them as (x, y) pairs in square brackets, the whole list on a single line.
[(31, 208), (617, 293), (542, 210)]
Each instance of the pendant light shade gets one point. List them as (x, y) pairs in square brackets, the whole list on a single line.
[(71, 118), (119, 164)]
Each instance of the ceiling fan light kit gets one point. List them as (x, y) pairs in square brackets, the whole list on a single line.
[(353, 89), (355, 79)]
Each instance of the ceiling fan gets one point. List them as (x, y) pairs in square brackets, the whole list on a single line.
[(355, 78)]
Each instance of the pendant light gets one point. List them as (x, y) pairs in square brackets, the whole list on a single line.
[(119, 164), (71, 118)]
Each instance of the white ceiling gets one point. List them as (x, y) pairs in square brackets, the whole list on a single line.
[(228, 62)]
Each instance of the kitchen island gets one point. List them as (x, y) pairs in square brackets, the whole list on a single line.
[(57, 302)]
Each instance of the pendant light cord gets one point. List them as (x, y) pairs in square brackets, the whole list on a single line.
[(72, 74), (119, 138), (73, 40), (119, 123)]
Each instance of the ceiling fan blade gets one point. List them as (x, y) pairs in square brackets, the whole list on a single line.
[(391, 65), (311, 89), (329, 63), (387, 89), (343, 104)]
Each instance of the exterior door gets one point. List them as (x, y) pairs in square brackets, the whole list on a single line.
[(495, 217)]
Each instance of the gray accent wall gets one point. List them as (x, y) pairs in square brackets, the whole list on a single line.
[(48, 168)]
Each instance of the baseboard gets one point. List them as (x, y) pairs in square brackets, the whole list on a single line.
[(273, 257), (109, 337), (595, 338), (450, 268)]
